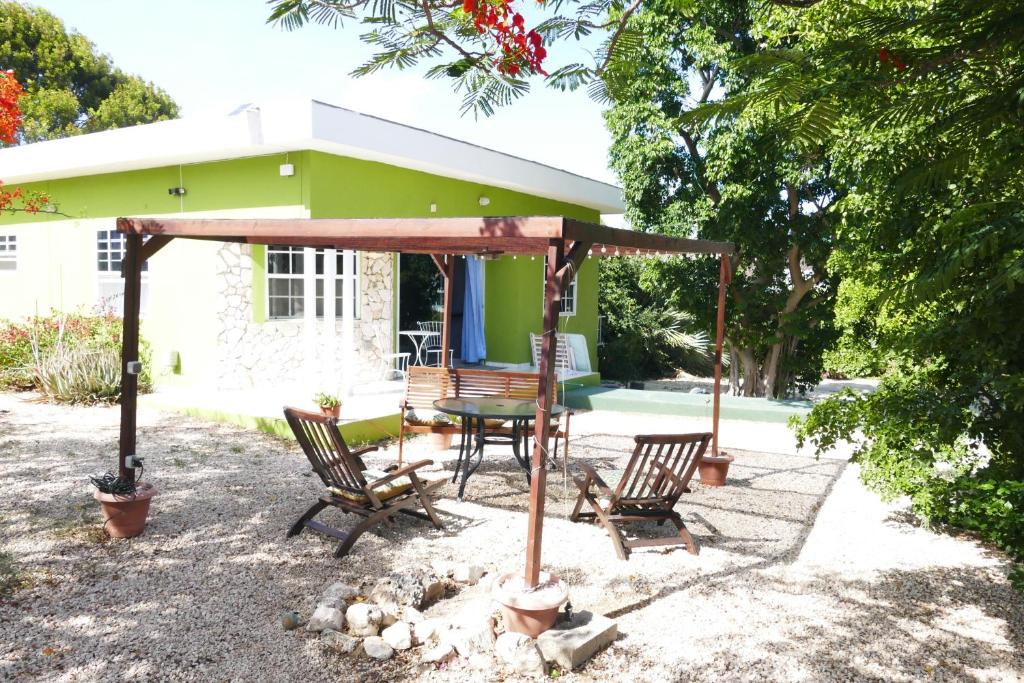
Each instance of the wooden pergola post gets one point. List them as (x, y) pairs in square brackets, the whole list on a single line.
[(131, 271), (724, 276), (560, 268)]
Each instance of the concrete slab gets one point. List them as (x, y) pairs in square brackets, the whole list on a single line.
[(571, 644)]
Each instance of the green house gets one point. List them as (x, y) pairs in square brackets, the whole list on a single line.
[(233, 316)]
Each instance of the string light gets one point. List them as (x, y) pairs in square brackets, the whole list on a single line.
[(616, 251), (604, 249)]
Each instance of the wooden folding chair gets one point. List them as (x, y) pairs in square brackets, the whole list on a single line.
[(657, 474), (343, 472)]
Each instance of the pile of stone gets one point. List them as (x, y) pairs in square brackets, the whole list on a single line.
[(409, 612)]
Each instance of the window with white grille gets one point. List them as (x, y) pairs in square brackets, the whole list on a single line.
[(110, 248), (287, 281), (568, 304), (8, 253)]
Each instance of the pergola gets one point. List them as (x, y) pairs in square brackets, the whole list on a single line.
[(565, 242)]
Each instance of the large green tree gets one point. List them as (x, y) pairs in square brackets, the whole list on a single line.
[(924, 103), (69, 87), (725, 177)]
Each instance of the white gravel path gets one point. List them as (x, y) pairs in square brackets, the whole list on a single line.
[(785, 587)]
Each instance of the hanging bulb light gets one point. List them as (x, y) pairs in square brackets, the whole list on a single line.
[(616, 251), (590, 252), (604, 249)]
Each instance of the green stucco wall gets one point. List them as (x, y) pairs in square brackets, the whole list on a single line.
[(57, 252), (347, 188)]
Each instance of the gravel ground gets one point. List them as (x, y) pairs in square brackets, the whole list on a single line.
[(784, 588)]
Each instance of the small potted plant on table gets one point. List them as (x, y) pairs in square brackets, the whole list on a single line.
[(125, 504), (330, 405)]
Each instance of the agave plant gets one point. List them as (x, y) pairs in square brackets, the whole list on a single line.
[(80, 375)]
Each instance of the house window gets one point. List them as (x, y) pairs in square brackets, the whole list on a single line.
[(110, 249), (567, 306), (8, 253), (287, 281)]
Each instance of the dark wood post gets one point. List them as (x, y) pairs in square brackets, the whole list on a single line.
[(449, 296), (723, 279), (131, 271), (542, 421)]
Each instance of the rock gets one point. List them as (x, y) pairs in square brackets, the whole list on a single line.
[(339, 642), (481, 661), (339, 591), (378, 649), (474, 636), (442, 568), (468, 573), (438, 652), (569, 645), (520, 653), (412, 615), (398, 635), (363, 619), (291, 621), (400, 590), (699, 390), (433, 589), (427, 630), (325, 617)]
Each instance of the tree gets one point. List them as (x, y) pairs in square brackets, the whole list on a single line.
[(69, 87), (11, 93), (726, 178), (930, 143)]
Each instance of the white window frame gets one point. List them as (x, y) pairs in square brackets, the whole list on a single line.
[(567, 305), (8, 251), (111, 274), (311, 279)]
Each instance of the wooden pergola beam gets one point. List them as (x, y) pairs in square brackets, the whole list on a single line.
[(481, 235)]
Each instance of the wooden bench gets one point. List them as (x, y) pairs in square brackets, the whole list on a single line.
[(424, 385)]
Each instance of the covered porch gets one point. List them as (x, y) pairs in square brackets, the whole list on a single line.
[(564, 243)]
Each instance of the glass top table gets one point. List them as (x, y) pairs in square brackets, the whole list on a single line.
[(475, 412)]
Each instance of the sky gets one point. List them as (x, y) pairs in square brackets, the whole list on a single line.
[(214, 55)]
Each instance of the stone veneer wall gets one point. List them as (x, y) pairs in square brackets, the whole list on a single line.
[(272, 353)]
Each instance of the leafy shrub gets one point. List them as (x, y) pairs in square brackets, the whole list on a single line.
[(68, 357)]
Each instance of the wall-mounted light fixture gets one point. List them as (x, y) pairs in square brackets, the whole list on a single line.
[(484, 200), (176, 191)]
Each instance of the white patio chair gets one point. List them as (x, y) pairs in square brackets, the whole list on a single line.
[(396, 365)]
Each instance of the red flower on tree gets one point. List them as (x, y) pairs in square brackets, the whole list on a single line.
[(10, 112), (521, 50), (10, 121)]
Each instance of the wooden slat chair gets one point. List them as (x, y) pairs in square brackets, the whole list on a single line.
[(657, 474), (345, 476)]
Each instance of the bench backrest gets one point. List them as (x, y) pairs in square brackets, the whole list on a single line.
[(424, 385)]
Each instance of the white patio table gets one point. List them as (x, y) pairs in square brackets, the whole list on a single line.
[(418, 338)]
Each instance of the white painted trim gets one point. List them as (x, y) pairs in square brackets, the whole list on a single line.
[(290, 126)]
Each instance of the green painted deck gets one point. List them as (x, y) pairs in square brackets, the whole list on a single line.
[(678, 403)]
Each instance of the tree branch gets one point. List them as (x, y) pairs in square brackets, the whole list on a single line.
[(698, 163)]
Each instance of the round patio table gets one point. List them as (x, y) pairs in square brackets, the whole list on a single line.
[(473, 412)]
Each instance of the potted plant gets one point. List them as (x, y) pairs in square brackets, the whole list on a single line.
[(125, 504), (529, 610), (714, 469), (330, 405)]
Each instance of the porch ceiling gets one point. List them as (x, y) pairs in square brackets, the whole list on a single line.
[(483, 235)]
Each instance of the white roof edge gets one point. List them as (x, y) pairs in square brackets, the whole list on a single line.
[(291, 126)]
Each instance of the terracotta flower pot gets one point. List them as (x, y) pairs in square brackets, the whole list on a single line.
[(529, 611), (125, 516), (714, 468), (334, 412), (441, 442)]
